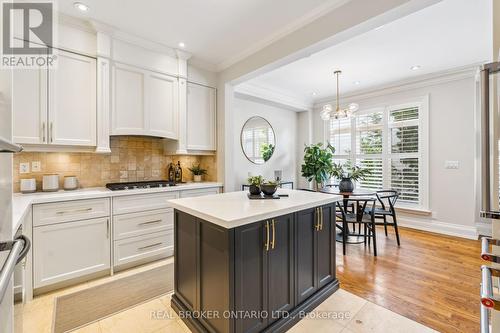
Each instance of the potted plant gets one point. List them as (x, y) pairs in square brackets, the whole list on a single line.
[(318, 164), (255, 182), (197, 172), (347, 173)]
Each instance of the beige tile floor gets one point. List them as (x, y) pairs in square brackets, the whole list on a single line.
[(342, 312)]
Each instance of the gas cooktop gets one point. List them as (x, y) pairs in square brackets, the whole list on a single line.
[(138, 185)]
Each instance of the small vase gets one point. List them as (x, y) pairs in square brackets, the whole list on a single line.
[(197, 178), (346, 185), (254, 190)]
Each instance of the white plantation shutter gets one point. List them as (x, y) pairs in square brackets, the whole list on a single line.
[(388, 141)]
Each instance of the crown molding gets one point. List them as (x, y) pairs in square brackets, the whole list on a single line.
[(273, 96), (199, 63), (404, 85), (75, 22), (145, 43), (295, 25)]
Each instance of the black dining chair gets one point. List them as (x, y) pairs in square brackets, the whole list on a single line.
[(387, 200), (363, 215)]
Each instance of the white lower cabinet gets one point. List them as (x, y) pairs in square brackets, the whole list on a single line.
[(144, 248), (70, 250), (199, 192)]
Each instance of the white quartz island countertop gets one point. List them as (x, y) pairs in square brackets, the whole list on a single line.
[(233, 209)]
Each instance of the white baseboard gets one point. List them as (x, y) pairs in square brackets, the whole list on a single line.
[(439, 227)]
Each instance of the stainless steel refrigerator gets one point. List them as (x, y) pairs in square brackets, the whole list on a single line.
[(490, 196), (11, 250)]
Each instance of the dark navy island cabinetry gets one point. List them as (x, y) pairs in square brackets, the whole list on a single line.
[(261, 276)]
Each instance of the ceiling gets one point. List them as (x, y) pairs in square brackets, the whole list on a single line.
[(216, 32), (447, 35)]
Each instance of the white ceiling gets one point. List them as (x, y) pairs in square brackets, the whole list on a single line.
[(216, 32), (448, 35)]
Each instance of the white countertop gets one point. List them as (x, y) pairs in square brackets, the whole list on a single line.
[(21, 203), (234, 209)]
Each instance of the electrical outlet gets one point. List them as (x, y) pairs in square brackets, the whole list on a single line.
[(24, 168), (36, 166), (451, 165)]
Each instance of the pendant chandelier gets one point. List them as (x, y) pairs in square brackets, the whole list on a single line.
[(328, 113)]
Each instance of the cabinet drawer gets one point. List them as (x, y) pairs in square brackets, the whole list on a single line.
[(199, 192), (143, 247), (66, 211), (141, 202), (136, 224), (69, 250)]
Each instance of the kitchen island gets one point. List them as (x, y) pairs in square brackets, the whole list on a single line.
[(253, 265)]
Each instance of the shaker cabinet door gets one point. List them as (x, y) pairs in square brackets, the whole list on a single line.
[(69, 250), (128, 110), (73, 100), (201, 117), (280, 275), (326, 246), (162, 98), (305, 234), (250, 275), (29, 106)]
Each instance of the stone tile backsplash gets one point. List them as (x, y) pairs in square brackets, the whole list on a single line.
[(131, 159)]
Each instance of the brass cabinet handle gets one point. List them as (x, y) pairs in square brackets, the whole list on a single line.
[(267, 236), (43, 132), (273, 241), (107, 228), (320, 218), (316, 217)]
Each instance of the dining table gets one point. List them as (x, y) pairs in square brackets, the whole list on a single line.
[(352, 237)]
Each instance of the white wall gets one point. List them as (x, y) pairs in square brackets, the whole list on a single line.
[(284, 123), (451, 137)]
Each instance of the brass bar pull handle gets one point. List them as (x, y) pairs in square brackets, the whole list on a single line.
[(273, 241), (317, 219), (44, 138), (320, 218), (267, 236), (150, 222), (149, 246)]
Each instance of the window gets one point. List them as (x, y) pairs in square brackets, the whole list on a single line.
[(391, 142)]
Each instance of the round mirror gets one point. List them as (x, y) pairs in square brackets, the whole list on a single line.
[(257, 140)]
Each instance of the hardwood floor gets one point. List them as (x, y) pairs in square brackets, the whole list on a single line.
[(432, 279)]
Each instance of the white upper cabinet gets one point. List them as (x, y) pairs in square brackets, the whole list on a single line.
[(201, 117), (144, 103), (72, 101), (163, 105), (29, 101), (56, 106), (128, 103)]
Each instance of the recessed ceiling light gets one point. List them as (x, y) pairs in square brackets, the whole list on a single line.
[(357, 83), (415, 68), (314, 93), (182, 45), (81, 6)]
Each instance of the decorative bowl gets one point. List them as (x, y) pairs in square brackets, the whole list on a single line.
[(269, 189)]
